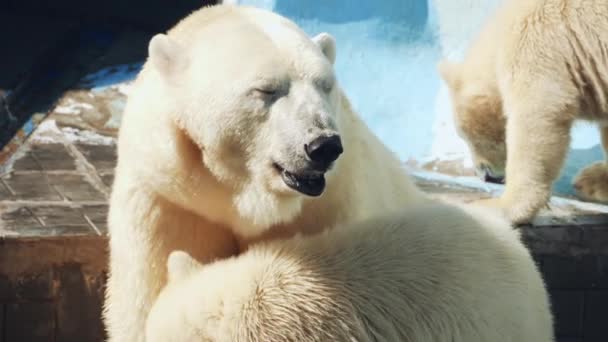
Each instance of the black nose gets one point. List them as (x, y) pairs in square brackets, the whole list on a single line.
[(488, 176), (324, 149)]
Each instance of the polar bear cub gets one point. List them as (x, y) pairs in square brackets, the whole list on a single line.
[(537, 66), (431, 273)]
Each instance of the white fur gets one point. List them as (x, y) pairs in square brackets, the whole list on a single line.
[(165, 54), (536, 67), (197, 143), (327, 43), (431, 273)]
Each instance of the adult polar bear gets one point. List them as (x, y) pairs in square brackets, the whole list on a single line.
[(537, 66), (235, 117), (429, 273)]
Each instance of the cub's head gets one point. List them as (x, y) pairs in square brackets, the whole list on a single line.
[(180, 312), (207, 302), (479, 119), (259, 99)]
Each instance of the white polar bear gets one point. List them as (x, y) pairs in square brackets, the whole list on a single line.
[(431, 273), (230, 135), (537, 66)]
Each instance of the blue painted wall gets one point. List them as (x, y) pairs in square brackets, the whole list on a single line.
[(385, 61)]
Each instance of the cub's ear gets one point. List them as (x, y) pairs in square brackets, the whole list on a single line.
[(165, 54), (450, 72), (327, 44), (180, 265)]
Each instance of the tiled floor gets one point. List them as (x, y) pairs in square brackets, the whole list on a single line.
[(49, 192)]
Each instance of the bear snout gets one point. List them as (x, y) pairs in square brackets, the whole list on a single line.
[(487, 174), (324, 150)]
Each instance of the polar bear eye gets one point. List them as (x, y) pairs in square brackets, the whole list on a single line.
[(326, 85), (268, 94), (266, 91)]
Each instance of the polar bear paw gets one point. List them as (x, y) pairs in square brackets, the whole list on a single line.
[(591, 183)]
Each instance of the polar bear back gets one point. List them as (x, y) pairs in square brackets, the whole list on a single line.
[(432, 273)]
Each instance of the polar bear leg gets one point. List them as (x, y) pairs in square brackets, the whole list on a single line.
[(538, 138), (130, 289)]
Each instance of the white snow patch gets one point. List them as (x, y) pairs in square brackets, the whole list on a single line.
[(496, 189), (586, 206), (461, 181), (75, 135), (72, 107), (49, 132)]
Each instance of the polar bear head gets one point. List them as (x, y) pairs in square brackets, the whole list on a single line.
[(479, 118), (259, 98), (182, 311), (204, 302)]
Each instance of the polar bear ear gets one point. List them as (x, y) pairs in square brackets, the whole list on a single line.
[(450, 73), (180, 265), (327, 44), (165, 54)]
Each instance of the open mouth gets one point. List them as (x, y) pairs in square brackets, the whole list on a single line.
[(493, 179), (307, 183)]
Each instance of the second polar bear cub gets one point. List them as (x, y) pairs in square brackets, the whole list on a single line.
[(431, 273), (537, 66)]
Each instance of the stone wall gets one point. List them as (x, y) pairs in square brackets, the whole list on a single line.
[(51, 289), (574, 263)]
